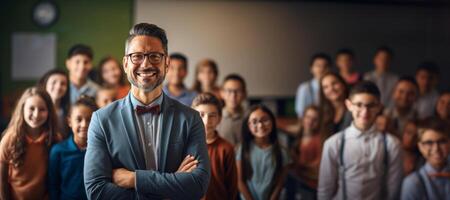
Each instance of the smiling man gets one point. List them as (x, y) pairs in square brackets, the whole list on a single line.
[(146, 145)]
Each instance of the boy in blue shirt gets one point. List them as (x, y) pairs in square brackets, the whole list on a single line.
[(177, 72), (79, 64), (432, 181), (308, 91)]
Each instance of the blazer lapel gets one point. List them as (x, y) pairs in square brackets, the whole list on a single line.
[(131, 131), (167, 120)]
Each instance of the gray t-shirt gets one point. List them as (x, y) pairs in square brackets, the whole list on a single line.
[(263, 167)]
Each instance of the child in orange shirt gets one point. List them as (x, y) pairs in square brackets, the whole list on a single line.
[(24, 147), (223, 183)]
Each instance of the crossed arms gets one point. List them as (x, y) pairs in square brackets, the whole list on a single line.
[(103, 182)]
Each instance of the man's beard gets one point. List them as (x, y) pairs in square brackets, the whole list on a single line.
[(151, 87)]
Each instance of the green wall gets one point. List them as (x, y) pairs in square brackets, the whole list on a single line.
[(102, 24)]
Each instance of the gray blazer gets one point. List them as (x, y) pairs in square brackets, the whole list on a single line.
[(113, 142)]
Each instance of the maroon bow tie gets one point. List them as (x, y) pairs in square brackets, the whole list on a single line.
[(147, 109)]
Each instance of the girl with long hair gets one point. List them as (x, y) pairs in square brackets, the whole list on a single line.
[(206, 75), (56, 83), (25, 145), (261, 161), (333, 112)]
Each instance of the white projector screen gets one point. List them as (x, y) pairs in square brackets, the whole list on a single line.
[(270, 43)]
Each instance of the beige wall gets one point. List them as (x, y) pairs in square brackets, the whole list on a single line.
[(270, 43)]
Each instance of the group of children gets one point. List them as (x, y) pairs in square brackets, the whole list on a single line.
[(372, 136)]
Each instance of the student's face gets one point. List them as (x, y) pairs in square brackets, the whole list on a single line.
[(232, 93), (332, 88), (111, 73), (79, 66), (177, 72), (405, 94), (424, 79), (56, 86), (381, 123), (443, 106), (206, 76), (105, 97), (210, 116), (311, 120), (364, 108), (409, 135), (382, 60), (145, 76), (260, 124), (435, 148), (35, 111), (79, 120), (319, 67), (344, 62)]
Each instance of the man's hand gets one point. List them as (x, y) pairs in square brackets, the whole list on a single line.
[(188, 165), (123, 178)]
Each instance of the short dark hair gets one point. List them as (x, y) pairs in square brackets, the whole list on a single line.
[(236, 77), (429, 66), (320, 55), (80, 49), (367, 87), (84, 100), (180, 56), (385, 49), (209, 99), (148, 30), (408, 79), (345, 51), (437, 125)]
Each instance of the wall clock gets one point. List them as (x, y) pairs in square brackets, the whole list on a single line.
[(45, 13)]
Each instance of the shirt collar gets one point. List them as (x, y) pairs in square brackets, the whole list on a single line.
[(73, 145), (184, 92), (39, 140), (354, 132), (88, 84), (431, 170), (135, 102), (227, 114)]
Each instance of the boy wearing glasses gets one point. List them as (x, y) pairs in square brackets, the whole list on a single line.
[(233, 92), (361, 162), (79, 64), (432, 181), (223, 183), (176, 74)]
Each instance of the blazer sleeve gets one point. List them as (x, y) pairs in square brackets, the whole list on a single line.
[(191, 185), (98, 167)]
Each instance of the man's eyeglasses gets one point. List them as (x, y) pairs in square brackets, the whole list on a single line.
[(263, 121), (369, 106), (153, 57), (430, 143)]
